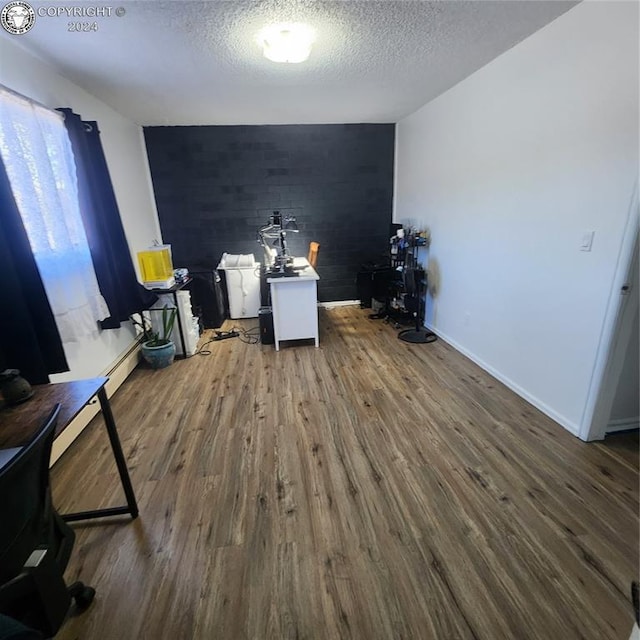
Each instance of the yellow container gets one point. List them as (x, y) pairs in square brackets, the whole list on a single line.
[(155, 263)]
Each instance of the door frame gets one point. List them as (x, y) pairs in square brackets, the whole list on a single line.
[(616, 331)]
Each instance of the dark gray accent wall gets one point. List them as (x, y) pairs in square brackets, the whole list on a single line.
[(215, 186)]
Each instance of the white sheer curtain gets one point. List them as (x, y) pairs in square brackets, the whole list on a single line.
[(37, 155)]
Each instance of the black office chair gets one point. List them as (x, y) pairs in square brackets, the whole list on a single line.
[(312, 258), (35, 542), (11, 629)]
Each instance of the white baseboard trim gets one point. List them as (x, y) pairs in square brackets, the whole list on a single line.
[(571, 427), (117, 374), (623, 424), (338, 303)]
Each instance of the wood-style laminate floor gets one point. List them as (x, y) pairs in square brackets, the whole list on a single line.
[(369, 489)]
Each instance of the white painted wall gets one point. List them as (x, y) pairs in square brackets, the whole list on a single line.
[(127, 160), (507, 169)]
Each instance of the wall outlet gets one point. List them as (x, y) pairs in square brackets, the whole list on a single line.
[(466, 319)]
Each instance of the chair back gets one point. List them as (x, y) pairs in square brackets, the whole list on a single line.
[(25, 503), (312, 258)]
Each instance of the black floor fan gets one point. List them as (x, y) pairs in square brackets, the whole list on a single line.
[(414, 279)]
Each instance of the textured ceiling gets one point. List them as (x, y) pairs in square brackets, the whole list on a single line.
[(186, 62)]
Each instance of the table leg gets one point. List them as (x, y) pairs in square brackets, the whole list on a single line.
[(105, 405), (180, 328), (121, 463)]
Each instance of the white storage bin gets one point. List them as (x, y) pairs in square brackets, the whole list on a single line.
[(242, 275)]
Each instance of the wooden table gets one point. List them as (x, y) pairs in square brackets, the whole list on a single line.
[(19, 423)]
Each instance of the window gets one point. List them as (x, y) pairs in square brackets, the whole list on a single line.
[(37, 155)]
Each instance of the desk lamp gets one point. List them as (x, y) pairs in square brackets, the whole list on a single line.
[(276, 230), (265, 235)]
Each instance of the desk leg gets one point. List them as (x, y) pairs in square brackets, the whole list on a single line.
[(132, 505), (105, 405), (180, 328), (275, 314)]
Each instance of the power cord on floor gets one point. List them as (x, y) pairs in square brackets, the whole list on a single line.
[(248, 336)]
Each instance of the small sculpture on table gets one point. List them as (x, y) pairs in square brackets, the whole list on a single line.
[(14, 388)]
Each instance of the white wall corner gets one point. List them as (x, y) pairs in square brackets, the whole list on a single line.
[(563, 421), (507, 169)]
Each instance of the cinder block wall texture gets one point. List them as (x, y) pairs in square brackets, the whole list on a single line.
[(215, 186)]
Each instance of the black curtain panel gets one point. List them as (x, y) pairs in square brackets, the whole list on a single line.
[(107, 241), (29, 338)]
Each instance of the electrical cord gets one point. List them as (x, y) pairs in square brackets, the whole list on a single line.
[(203, 351), (248, 336)]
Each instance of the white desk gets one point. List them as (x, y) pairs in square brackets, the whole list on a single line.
[(294, 304)]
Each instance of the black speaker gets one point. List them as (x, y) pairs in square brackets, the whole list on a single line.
[(265, 318), (364, 288), (207, 298), (265, 288)]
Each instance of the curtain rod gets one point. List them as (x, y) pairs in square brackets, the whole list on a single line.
[(31, 100)]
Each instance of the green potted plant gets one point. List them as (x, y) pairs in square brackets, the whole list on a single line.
[(157, 347)]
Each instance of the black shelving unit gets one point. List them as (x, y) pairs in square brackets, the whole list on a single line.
[(174, 292), (419, 334)]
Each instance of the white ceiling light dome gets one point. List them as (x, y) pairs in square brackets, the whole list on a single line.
[(287, 42)]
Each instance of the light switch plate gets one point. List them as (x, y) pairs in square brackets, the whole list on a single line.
[(587, 240)]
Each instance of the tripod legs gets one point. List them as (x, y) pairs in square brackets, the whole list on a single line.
[(419, 335)]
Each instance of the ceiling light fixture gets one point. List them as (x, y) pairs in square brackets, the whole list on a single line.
[(287, 42)]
